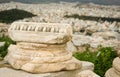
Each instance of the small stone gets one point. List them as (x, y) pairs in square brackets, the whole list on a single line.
[(87, 73), (41, 51), (116, 64), (71, 47), (8, 72), (2, 44), (87, 66)]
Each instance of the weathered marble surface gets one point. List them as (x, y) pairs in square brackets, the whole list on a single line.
[(48, 33), (115, 70), (41, 47), (87, 73), (7, 71), (41, 60)]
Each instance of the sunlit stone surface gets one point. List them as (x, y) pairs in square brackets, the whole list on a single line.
[(41, 47), (115, 70)]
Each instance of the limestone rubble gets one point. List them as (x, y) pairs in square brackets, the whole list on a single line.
[(55, 12)]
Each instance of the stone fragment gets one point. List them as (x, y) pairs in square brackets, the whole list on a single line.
[(107, 35), (116, 64), (2, 44), (115, 70), (8, 72), (79, 40), (92, 29), (111, 73), (87, 65), (41, 36), (71, 47), (87, 73)]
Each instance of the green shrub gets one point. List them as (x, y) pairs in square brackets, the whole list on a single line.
[(8, 16), (3, 49), (102, 58), (92, 18)]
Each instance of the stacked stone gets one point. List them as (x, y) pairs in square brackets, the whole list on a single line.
[(115, 70), (41, 47)]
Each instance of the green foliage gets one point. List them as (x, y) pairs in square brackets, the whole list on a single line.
[(8, 16), (102, 58), (3, 49), (92, 18), (86, 55)]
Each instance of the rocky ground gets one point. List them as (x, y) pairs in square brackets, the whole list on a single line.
[(85, 32)]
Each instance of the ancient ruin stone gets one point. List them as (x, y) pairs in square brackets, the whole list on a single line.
[(115, 70), (41, 47), (87, 73), (40, 32)]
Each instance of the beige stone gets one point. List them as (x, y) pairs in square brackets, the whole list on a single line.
[(87, 73), (87, 65), (71, 47), (49, 33), (116, 64), (115, 70), (41, 61), (2, 44), (111, 73), (41, 47), (44, 47), (8, 72), (92, 29), (4, 64)]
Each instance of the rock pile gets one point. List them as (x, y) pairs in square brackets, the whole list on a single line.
[(79, 42)]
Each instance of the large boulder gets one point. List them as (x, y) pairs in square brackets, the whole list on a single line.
[(36, 61)]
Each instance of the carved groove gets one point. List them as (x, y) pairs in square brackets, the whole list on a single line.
[(39, 27)]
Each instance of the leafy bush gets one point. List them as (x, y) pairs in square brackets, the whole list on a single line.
[(102, 58), (8, 16), (3, 49), (93, 18)]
